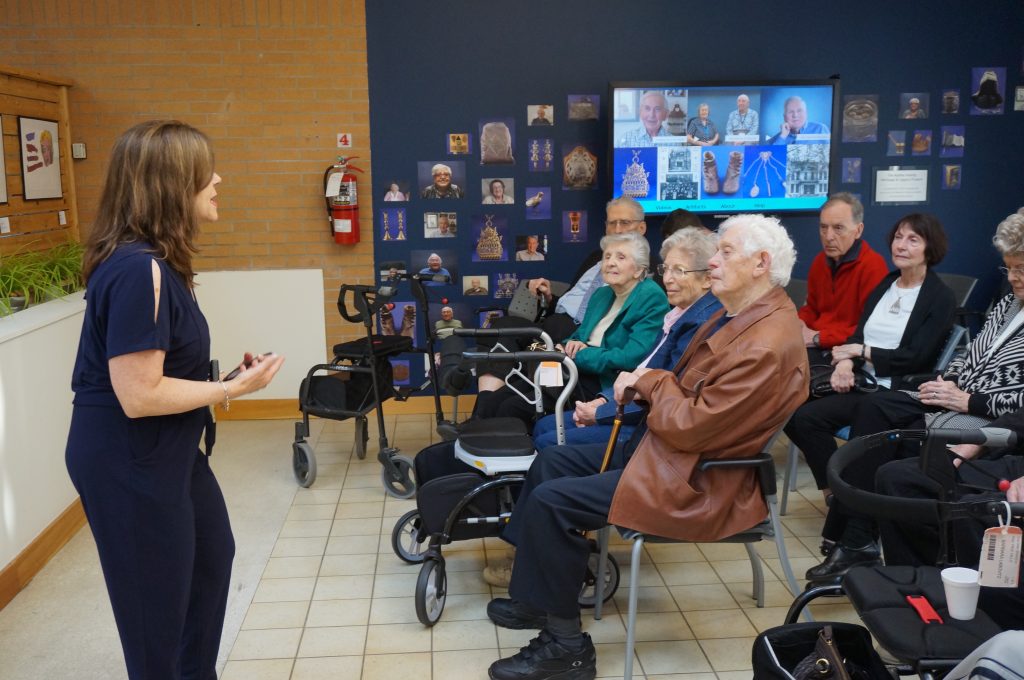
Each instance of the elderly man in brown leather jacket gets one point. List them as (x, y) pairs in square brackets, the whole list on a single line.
[(739, 380)]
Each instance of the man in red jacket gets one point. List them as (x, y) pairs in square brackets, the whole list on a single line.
[(841, 276)]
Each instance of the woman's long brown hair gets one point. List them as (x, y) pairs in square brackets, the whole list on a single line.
[(156, 170)]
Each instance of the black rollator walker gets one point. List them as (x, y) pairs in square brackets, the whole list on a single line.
[(359, 379)]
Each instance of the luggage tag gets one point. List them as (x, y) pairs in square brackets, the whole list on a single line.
[(550, 374), (999, 565)]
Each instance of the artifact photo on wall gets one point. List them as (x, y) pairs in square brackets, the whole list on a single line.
[(851, 170), (397, 191), (398, 319), (574, 226), (440, 225), (914, 105), (459, 143), (497, 191), (497, 139), (40, 158), (921, 143), (897, 143), (541, 154), (475, 284), (540, 114), (505, 284), (988, 86), (400, 372), (434, 263), (860, 118), (584, 106), (444, 179), (579, 167), (951, 143), (538, 203), (531, 248), (951, 176), (950, 101), (490, 238), (393, 225)]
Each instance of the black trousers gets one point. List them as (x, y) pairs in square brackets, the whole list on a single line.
[(563, 496), (918, 544)]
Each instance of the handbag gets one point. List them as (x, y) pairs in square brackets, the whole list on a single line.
[(821, 380), (817, 651)]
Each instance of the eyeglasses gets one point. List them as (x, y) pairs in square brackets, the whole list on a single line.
[(620, 223), (677, 272), (1013, 271)]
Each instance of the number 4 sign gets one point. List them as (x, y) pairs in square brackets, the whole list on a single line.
[(344, 140)]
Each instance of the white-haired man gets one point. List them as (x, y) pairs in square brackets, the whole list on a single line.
[(442, 186), (724, 399), (653, 112)]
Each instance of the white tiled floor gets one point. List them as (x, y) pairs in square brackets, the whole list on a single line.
[(318, 593)]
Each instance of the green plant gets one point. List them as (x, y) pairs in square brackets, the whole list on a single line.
[(39, 276)]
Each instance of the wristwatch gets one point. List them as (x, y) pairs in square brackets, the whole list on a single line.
[(816, 339)]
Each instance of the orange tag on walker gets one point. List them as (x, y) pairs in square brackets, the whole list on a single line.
[(1000, 557)]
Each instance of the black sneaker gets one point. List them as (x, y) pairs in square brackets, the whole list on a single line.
[(546, 659), (509, 613)]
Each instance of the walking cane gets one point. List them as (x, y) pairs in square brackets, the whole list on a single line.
[(616, 426)]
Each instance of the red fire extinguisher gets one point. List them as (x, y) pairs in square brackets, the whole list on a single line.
[(342, 201)]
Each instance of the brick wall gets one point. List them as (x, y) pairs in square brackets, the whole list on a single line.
[(271, 81)]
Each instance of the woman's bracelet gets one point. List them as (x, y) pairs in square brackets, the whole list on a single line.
[(227, 399)]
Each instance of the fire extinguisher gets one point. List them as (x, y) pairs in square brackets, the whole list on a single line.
[(342, 201)]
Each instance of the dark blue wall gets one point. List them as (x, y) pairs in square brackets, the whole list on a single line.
[(440, 67)]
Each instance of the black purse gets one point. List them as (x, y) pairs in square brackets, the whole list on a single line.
[(821, 380), (817, 651)]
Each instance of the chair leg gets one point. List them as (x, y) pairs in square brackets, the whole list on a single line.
[(789, 476), (634, 585), (758, 573), (780, 546), (602, 565)]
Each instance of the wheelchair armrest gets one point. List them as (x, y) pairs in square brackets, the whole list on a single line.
[(762, 462), (523, 332), (515, 357)]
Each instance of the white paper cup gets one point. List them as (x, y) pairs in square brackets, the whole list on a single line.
[(962, 588)]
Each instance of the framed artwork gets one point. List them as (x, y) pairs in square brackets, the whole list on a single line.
[(3, 171), (40, 158)]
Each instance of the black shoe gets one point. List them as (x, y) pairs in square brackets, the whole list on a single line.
[(509, 613), (840, 560), (826, 547), (547, 659)]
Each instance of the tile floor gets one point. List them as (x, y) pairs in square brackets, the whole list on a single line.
[(318, 593)]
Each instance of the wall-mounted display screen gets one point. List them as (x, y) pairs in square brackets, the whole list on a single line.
[(723, 147)]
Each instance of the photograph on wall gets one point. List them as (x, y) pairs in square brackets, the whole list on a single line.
[(497, 139), (393, 225), (400, 372), (459, 143), (988, 86), (1018, 98), (540, 114), (398, 191), (921, 143), (541, 154), (497, 191), (441, 179), (391, 270), (914, 105), (538, 203), (487, 319), (475, 284), (398, 319), (851, 170), (3, 169), (579, 167), (446, 318), (505, 284), (531, 248), (860, 118), (574, 226), (490, 238), (435, 263), (40, 158), (896, 143), (951, 176), (440, 225), (951, 143), (584, 106), (950, 101)]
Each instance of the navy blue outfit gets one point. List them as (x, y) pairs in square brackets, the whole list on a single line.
[(154, 506)]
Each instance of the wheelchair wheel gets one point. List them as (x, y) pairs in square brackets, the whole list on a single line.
[(404, 486), (406, 540), (303, 464), (362, 437), (588, 593), (431, 591)]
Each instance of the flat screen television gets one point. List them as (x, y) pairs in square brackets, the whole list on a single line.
[(723, 147)]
